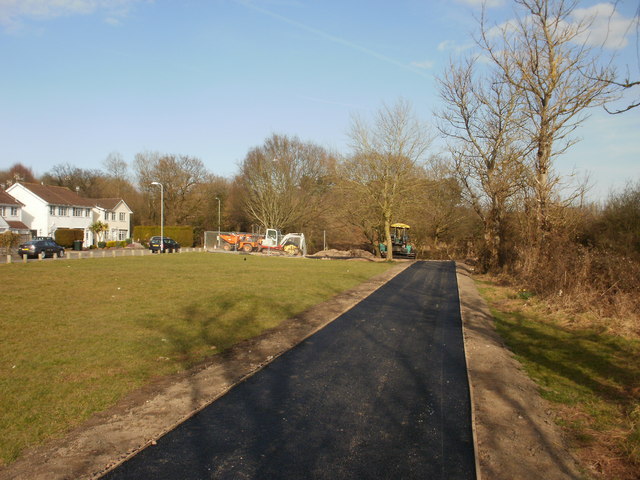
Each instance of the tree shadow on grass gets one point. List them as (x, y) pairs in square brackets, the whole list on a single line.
[(359, 399), (605, 366)]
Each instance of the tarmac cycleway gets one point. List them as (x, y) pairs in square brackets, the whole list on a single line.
[(380, 393)]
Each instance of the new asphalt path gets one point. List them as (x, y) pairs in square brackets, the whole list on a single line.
[(380, 393)]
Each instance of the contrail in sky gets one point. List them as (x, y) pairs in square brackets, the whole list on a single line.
[(331, 38)]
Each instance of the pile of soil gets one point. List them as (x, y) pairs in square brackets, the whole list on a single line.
[(345, 254)]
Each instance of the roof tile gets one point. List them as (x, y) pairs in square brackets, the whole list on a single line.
[(59, 195)]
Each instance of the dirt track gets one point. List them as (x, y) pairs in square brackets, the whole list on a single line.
[(516, 436)]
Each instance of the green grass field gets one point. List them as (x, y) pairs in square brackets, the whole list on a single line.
[(76, 335), (592, 376)]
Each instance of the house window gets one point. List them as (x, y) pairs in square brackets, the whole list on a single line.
[(62, 211), (113, 216), (14, 211), (52, 211), (122, 235), (106, 215), (87, 212), (77, 212), (1, 211), (123, 216)]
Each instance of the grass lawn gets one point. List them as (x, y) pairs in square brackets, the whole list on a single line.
[(76, 335), (591, 376)]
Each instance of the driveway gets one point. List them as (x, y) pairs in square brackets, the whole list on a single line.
[(381, 392)]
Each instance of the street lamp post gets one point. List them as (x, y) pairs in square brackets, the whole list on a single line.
[(218, 239), (161, 215)]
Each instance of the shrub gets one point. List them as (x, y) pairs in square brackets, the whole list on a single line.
[(618, 228), (102, 244), (66, 236), (181, 234), (8, 240), (112, 244)]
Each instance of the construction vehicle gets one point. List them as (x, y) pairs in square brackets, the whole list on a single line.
[(401, 242), (291, 243), (245, 242)]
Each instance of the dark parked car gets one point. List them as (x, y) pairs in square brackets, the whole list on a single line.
[(170, 245), (47, 247)]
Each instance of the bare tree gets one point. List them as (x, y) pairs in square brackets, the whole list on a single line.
[(179, 175), (437, 214), (382, 172), (558, 77), (17, 173), (284, 181), (86, 182), (481, 119), (625, 83), (116, 166)]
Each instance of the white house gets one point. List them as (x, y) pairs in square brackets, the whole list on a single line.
[(11, 215), (47, 208), (117, 214)]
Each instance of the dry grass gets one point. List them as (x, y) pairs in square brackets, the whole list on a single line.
[(595, 288), (591, 375)]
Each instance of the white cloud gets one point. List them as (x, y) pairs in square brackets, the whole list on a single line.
[(328, 36), (480, 3), (607, 27), (598, 26), (14, 12), (452, 45), (425, 64)]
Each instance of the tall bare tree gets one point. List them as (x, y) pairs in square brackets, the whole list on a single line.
[(116, 166), (284, 181), (540, 54), (382, 171), (179, 175), (481, 119)]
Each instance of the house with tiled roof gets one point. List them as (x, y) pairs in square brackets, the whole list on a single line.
[(11, 215), (47, 208), (117, 214)]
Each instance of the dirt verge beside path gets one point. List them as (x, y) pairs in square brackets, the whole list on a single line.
[(110, 437), (516, 436)]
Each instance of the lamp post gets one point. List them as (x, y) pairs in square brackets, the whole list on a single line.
[(161, 215), (218, 239)]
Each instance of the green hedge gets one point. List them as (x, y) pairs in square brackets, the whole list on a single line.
[(182, 235), (66, 236), (113, 244)]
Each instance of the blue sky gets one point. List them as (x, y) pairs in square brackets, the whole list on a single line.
[(213, 78)]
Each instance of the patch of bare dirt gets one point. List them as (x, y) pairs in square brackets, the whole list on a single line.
[(514, 430), (345, 254)]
